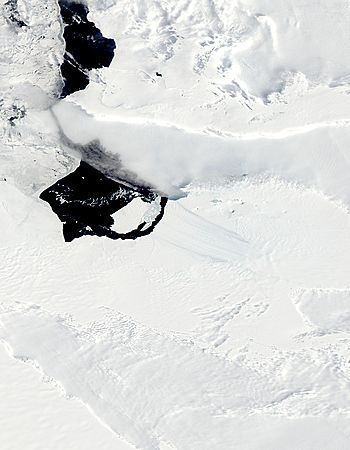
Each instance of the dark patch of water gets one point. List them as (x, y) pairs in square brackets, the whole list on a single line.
[(86, 47), (86, 199), (16, 113), (12, 14)]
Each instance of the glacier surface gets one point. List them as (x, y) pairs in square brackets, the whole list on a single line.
[(226, 327)]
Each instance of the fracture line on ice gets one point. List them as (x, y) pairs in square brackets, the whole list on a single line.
[(246, 136)]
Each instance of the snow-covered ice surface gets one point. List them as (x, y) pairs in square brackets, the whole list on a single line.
[(228, 326)]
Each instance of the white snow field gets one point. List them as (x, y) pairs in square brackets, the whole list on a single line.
[(227, 327)]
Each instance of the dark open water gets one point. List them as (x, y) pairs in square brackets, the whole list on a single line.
[(85, 200)]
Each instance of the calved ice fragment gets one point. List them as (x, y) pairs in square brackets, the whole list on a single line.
[(86, 199)]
